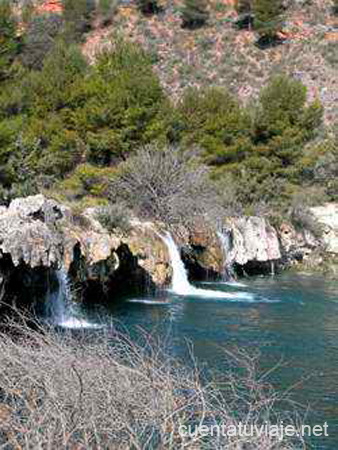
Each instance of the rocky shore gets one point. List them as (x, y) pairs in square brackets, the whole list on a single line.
[(39, 236)]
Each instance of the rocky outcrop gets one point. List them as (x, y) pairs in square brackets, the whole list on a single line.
[(327, 217), (253, 244), (41, 236)]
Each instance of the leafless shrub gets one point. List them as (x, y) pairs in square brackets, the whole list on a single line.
[(58, 391), (165, 184), (114, 216)]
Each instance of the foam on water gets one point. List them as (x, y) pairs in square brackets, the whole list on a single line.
[(145, 301), (65, 313)]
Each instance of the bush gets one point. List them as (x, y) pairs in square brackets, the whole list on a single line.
[(77, 15), (166, 184), (39, 39), (268, 20), (195, 13), (8, 42), (244, 10), (107, 391), (87, 180), (107, 9), (114, 216)]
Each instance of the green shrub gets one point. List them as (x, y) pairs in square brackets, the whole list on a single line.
[(39, 39), (268, 19), (77, 15), (8, 42), (125, 104), (195, 13), (107, 10), (87, 180)]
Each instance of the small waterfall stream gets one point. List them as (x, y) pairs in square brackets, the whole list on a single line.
[(226, 242), (64, 311), (180, 282)]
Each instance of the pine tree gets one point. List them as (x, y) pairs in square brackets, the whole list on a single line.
[(195, 13), (268, 20), (8, 41)]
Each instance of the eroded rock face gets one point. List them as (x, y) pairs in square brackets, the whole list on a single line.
[(38, 233), (28, 232), (253, 240), (327, 217)]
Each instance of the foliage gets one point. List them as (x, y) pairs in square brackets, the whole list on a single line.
[(244, 10), (124, 104), (335, 7), (114, 216), (40, 36), (195, 13), (8, 43), (268, 19), (87, 180), (107, 10), (77, 16), (212, 119)]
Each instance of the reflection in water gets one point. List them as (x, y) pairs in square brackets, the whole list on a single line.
[(301, 327)]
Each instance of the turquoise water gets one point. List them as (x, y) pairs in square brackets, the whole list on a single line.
[(293, 318)]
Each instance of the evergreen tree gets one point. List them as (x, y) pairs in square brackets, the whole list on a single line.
[(8, 41), (195, 13), (268, 20)]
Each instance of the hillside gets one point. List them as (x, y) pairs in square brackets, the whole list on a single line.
[(220, 54)]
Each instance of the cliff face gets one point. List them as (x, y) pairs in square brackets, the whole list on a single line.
[(254, 240), (39, 236)]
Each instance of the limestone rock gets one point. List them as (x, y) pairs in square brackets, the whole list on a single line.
[(253, 239), (327, 216)]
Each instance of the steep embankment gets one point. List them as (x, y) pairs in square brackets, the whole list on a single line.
[(220, 54)]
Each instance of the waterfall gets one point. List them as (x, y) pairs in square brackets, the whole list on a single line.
[(225, 238), (64, 311), (180, 282)]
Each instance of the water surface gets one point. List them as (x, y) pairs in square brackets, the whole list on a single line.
[(288, 317)]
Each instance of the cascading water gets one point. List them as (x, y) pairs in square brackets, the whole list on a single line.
[(64, 311), (180, 282), (225, 239)]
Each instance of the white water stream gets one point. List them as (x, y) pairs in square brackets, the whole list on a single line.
[(65, 312), (180, 282)]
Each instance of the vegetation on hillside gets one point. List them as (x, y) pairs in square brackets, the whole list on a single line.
[(75, 128)]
